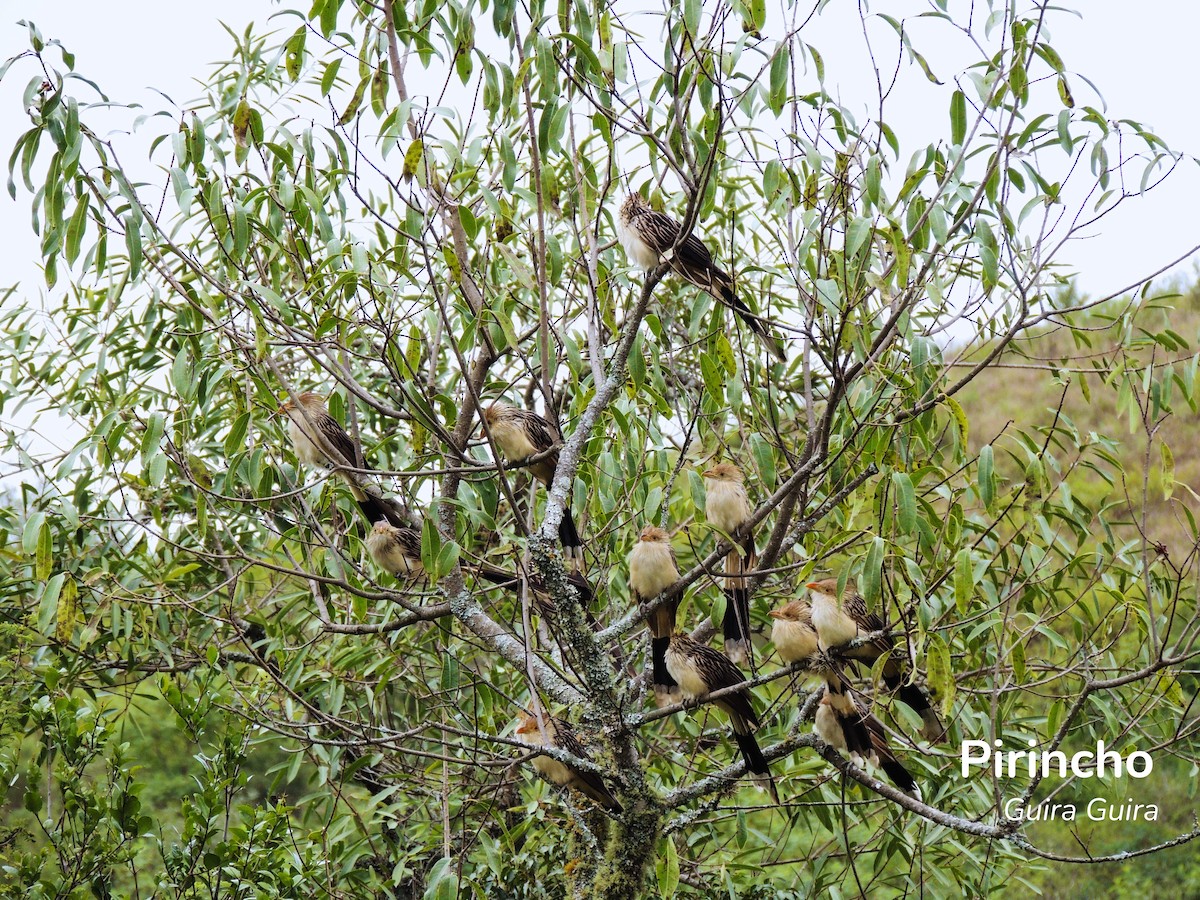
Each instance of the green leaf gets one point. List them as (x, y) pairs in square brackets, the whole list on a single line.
[(668, 871), (48, 604), (987, 487), (938, 672), (31, 534), (431, 547), (958, 118), (447, 559), (872, 576), (764, 459), (778, 78), (44, 557), (964, 581), (1168, 470), (906, 503), (235, 441)]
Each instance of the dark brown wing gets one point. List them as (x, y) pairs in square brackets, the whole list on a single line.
[(718, 672), (409, 540), (856, 608), (336, 435), (657, 230), (541, 433), (593, 785)]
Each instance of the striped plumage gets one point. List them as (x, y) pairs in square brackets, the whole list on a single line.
[(700, 670), (396, 550), (311, 429), (846, 726), (520, 434), (727, 508), (648, 235), (556, 733), (652, 569), (839, 620)]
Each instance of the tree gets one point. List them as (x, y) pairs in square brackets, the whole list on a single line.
[(413, 209)]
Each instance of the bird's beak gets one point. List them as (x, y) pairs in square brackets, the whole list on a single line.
[(707, 473), (812, 585), (775, 614)]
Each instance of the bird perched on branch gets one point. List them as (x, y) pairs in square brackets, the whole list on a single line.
[(840, 721), (652, 570), (396, 550), (839, 620), (727, 508), (318, 439), (846, 726), (556, 733), (701, 670), (520, 434), (793, 634), (648, 236)]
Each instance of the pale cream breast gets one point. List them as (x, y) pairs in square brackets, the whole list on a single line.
[(725, 504), (795, 641), (691, 685), (826, 725), (637, 251), (554, 770), (514, 443), (389, 557), (305, 449), (834, 628), (652, 568)]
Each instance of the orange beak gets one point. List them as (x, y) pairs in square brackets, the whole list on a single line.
[(775, 614)]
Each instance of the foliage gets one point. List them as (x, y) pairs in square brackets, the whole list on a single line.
[(444, 238)]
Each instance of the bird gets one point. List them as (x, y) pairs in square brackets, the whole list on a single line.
[(652, 570), (543, 601), (313, 432), (520, 434), (396, 550), (838, 620), (727, 508), (847, 727), (554, 732), (648, 236), (701, 670), (793, 634)]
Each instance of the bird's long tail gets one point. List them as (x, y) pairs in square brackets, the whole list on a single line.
[(735, 625), (666, 689), (568, 536), (753, 322), (756, 763), (933, 730)]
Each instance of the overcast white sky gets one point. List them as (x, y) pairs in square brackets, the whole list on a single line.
[(1140, 58)]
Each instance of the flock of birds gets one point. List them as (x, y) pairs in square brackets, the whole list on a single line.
[(824, 634)]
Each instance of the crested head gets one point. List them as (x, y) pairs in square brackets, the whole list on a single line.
[(796, 611), (383, 527), (654, 534), (725, 472), (826, 586), (495, 411), (633, 205), (527, 723), (309, 400)]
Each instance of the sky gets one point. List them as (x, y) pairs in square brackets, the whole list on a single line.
[(1139, 58)]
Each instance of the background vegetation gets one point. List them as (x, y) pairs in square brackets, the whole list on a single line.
[(210, 691)]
